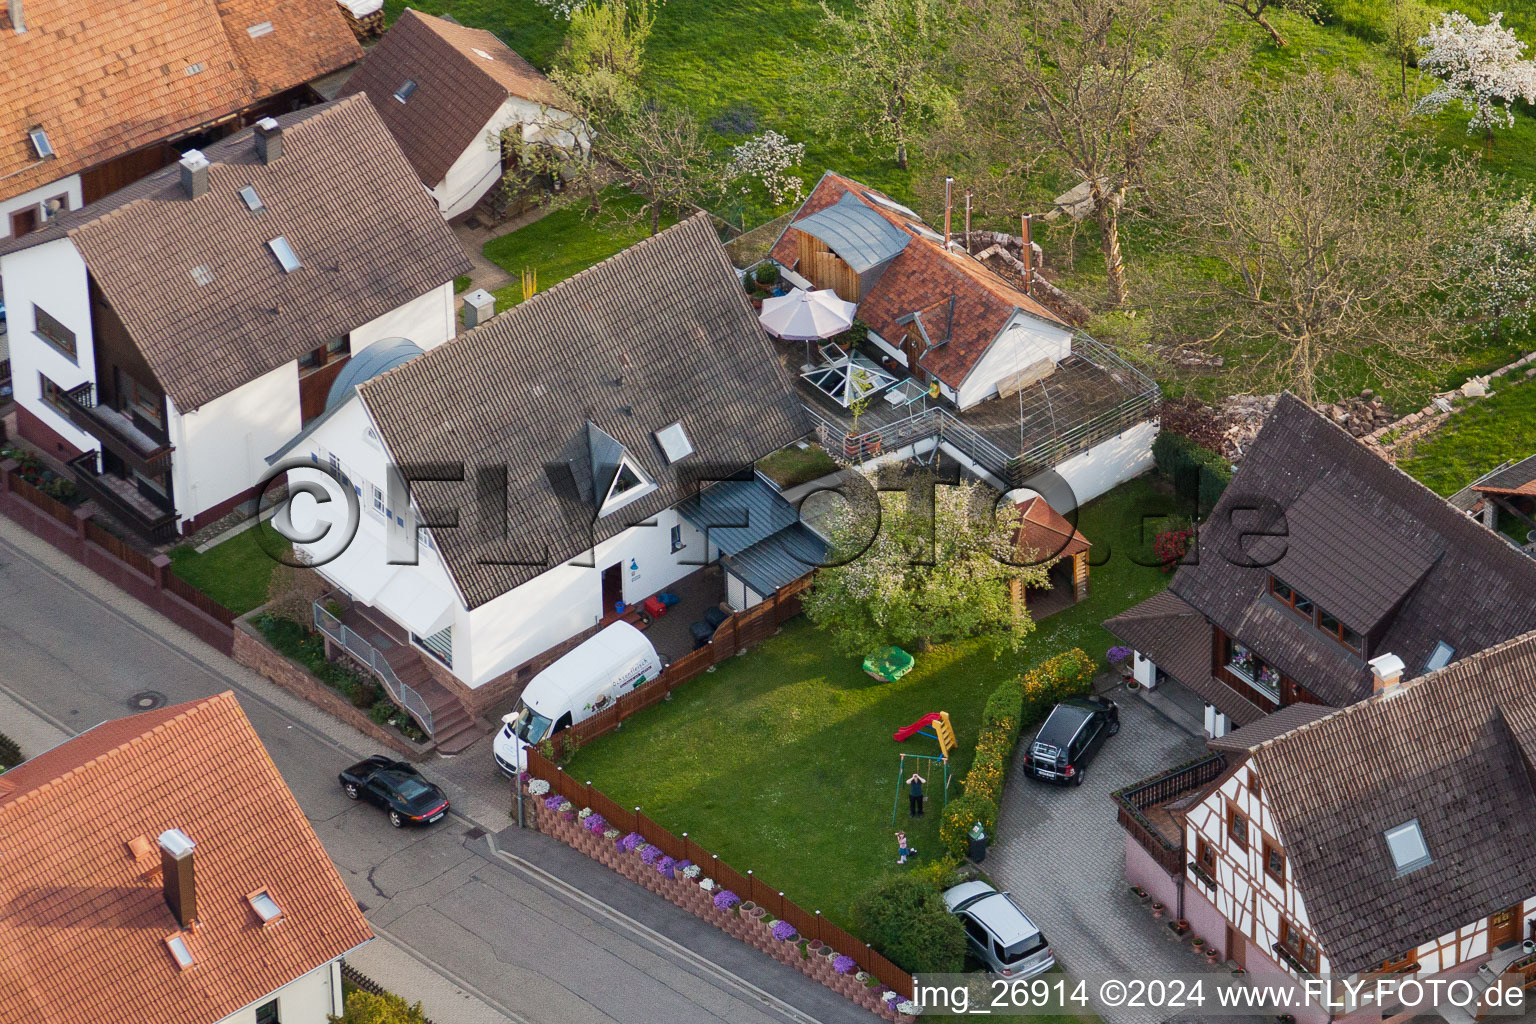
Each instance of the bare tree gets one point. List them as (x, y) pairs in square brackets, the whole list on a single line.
[(875, 71), (666, 160), (1314, 229), (1257, 11), (1077, 87)]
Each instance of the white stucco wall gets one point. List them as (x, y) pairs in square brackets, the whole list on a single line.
[(221, 448), (308, 999), (53, 277), (36, 197), (427, 320), (479, 166), (1024, 341), (1110, 463)]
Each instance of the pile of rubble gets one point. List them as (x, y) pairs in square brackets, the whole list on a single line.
[(1239, 419), (1359, 415), (1003, 255)]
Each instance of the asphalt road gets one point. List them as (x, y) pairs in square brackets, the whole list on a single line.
[(488, 922)]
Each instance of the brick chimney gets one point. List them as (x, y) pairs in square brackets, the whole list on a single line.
[(1387, 673), (176, 849), (194, 173), (18, 16), (269, 140)]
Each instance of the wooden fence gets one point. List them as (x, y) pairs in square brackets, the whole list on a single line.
[(736, 633), (145, 577), (810, 924)]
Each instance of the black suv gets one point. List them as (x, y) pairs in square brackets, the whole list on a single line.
[(1070, 737)]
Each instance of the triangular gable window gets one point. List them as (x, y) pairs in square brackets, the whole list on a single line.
[(630, 483)]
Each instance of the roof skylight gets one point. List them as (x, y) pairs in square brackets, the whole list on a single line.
[(40, 144), (890, 204), (1440, 657), (926, 232), (286, 257), (1406, 844), (674, 442), (261, 28), (265, 906), (482, 54), (202, 275), (406, 88), (180, 951), (252, 200)]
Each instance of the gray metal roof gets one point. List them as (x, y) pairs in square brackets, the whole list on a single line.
[(778, 559), (737, 514), (368, 364), (861, 237)]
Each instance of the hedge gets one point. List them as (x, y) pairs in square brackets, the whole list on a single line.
[(904, 917), (1197, 473), (1028, 698)]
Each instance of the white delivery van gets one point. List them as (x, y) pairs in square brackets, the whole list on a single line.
[(581, 683)]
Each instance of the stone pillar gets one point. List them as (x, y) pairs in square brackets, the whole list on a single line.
[(160, 563), (7, 467)]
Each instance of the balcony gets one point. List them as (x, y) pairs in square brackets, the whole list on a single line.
[(116, 432), (1146, 815), (122, 500), (1092, 396)]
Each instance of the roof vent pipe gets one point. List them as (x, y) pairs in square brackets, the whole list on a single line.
[(194, 173), (176, 849), (18, 16), (1027, 251), (967, 223), (949, 188), (269, 140)]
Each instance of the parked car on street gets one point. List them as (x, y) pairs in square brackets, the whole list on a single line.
[(998, 933), (1072, 734), (398, 788)]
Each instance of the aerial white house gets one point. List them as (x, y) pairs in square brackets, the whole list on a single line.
[(165, 339), (463, 105), (561, 449)]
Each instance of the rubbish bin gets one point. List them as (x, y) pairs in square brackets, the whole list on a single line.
[(976, 847)]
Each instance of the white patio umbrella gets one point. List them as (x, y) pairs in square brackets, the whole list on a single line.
[(807, 316)]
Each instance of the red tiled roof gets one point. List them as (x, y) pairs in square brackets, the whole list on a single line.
[(104, 77), (462, 76), (1047, 532), (923, 279), (83, 924)]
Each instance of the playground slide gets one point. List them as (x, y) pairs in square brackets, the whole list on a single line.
[(907, 731)]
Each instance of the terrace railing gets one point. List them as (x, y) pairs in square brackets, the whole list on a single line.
[(370, 656), (1133, 801)]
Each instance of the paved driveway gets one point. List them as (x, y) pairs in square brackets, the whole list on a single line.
[(1061, 852)]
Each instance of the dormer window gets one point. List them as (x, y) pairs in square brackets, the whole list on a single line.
[(1406, 845), (630, 483), (1308, 609), (265, 906), (406, 88), (40, 144), (1288, 596)]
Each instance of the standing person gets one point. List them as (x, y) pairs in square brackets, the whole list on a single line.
[(903, 851), (915, 796)]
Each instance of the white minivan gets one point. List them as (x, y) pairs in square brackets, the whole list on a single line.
[(581, 683)]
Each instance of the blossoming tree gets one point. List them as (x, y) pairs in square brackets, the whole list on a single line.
[(1496, 268), (1481, 66), (933, 564)]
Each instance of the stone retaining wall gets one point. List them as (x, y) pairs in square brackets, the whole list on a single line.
[(748, 925), (252, 650)]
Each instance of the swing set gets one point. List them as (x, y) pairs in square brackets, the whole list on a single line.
[(944, 733)]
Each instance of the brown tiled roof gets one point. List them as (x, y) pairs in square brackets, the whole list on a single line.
[(1517, 479), (661, 333), (103, 77), (1245, 738), (1178, 640), (83, 924), (462, 76), (368, 236), (1046, 532), (923, 279), (1399, 561), (1452, 750)]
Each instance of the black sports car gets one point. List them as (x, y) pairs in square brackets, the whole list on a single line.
[(398, 788)]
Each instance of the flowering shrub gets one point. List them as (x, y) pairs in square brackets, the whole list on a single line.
[(843, 964), (665, 865), (890, 995), (1171, 546), (908, 1008), (631, 842), (584, 813), (726, 900), (691, 871), (1117, 654), (784, 931), (650, 855), (770, 159), (595, 824), (1483, 66), (707, 884), (611, 833), (553, 802), (862, 977), (538, 787)]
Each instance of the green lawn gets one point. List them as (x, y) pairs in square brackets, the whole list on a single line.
[(781, 761), (236, 572), (1477, 438), (562, 243)]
